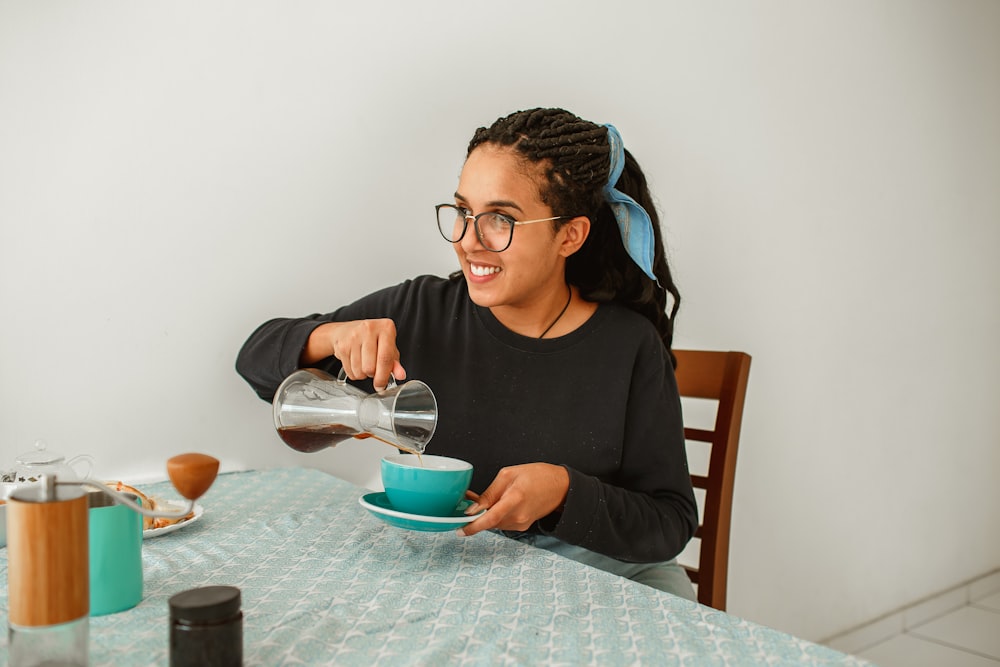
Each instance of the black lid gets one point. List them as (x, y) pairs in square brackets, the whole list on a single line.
[(210, 603)]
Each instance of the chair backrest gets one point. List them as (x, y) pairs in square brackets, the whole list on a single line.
[(720, 376)]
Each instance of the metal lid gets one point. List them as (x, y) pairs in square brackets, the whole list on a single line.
[(209, 603)]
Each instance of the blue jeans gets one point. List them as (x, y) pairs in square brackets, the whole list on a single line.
[(666, 576)]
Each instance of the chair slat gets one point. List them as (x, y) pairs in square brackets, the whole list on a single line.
[(698, 434)]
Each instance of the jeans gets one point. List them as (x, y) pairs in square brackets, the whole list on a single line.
[(666, 576)]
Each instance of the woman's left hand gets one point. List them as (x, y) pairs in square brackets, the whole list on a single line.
[(519, 496)]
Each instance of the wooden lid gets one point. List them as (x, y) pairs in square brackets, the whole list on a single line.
[(192, 474)]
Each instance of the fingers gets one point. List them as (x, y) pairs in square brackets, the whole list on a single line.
[(386, 363), (496, 490), (518, 497), (485, 500), (367, 349), (498, 516), (381, 372)]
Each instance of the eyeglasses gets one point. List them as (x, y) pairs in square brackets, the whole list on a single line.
[(494, 230)]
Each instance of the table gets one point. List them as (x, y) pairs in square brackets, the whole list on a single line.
[(325, 582)]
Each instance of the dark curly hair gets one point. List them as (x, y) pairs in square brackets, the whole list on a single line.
[(575, 156)]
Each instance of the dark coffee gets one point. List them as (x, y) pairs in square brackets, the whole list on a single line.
[(309, 439)]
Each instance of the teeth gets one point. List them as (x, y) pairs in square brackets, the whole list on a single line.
[(483, 270)]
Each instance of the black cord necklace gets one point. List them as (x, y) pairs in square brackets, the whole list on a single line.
[(561, 312)]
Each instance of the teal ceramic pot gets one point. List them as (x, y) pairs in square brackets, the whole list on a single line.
[(115, 555)]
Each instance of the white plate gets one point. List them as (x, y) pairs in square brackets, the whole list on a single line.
[(156, 532)]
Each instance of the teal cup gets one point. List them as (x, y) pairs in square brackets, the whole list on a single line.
[(115, 555), (426, 485)]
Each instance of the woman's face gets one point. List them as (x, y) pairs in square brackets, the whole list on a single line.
[(524, 275)]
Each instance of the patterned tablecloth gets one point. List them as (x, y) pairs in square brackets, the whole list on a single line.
[(325, 582)]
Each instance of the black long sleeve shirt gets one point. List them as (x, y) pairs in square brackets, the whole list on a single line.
[(601, 401)]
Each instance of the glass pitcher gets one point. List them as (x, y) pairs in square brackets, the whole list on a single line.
[(314, 410)]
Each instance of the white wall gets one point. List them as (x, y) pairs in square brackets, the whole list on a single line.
[(172, 174)]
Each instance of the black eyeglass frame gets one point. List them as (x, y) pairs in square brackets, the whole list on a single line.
[(460, 212)]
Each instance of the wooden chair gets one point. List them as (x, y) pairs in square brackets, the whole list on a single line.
[(720, 376)]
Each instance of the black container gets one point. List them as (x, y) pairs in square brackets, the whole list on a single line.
[(206, 628)]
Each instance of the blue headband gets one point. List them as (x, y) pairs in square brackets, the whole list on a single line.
[(633, 222)]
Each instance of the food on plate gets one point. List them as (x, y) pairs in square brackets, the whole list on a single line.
[(150, 502)]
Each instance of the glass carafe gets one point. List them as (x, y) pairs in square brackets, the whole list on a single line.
[(314, 410)]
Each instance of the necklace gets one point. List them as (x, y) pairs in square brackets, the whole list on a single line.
[(561, 312)]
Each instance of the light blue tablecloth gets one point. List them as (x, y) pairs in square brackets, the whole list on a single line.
[(325, 582)]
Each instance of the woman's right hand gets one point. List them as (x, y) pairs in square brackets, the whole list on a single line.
[(366, 348)]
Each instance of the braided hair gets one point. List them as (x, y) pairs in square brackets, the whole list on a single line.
[(575, 157)]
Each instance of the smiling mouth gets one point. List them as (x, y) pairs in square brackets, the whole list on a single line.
[(480, 270)]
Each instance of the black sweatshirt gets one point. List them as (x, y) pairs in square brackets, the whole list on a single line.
[(601, 401)]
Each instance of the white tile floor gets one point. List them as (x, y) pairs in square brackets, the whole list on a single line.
[(960, 628)]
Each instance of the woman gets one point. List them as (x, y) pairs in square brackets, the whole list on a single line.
[(549, 352)]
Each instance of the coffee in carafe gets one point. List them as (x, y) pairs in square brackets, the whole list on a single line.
[(309, 439), (314, 410)]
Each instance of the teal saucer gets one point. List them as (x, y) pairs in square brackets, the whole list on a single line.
[(379, 505)]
